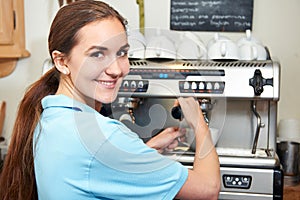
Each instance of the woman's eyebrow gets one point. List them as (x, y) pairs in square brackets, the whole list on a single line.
[(101, 48), (125, 46)]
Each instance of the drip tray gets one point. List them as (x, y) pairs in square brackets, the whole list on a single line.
[(239, 152), (231, 157)]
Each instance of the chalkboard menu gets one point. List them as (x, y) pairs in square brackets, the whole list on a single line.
[(211, 15)]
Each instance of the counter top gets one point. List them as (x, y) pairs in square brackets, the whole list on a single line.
[(291, 192)]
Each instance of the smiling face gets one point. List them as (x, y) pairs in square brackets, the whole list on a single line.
[(96, 65)]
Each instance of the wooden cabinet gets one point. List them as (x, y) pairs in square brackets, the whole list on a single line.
[(6, 22), (12, 35)]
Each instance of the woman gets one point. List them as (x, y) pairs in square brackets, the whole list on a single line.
[(62, 148)]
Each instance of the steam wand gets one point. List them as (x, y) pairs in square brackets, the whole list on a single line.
[(258, 126), (130, 112), (131, 104)]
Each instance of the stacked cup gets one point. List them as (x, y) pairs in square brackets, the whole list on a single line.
[(190, 47), (222, 48), (137, 44), (289, 130), (250, 48)]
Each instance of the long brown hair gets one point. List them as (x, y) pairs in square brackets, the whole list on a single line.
[(17, 179)]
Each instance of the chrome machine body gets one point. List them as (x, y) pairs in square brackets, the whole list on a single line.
[(242, 101)]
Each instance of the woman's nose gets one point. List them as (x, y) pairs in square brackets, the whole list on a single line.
[(117, 68)]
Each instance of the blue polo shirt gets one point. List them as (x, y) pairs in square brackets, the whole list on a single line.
[(80, 154)]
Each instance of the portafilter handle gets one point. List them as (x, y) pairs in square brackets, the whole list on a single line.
[(205, 105), (176, 112)]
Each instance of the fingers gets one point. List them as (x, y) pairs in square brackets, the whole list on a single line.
[(176, 133), (186, 103), (167, 140), (176, 103), (182, 132), (173, 145)]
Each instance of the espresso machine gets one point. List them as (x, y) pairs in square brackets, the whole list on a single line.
[(238, 99)]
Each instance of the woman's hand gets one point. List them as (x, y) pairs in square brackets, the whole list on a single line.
[(192, 112), (166, 140)]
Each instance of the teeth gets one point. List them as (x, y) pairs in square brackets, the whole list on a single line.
[(106, 83)]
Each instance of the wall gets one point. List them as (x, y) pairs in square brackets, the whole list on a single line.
[(274, 23)]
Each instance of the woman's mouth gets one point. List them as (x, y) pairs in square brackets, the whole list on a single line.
[(108, 84)]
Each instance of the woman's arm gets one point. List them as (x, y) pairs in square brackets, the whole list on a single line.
[(203, 181)]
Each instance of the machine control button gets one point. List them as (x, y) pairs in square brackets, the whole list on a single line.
[(209, 86), (163, 75), (140, 84), (236, 181), (125, 84), (194, 86), (201, 86), (133, 84), (216, 86), (186, 86)]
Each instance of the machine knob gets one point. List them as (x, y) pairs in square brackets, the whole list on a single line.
[(176, 112), (258, 82)]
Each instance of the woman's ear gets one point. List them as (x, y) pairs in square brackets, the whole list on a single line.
[(59, 61)]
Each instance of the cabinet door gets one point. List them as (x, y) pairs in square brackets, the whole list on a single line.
[(6, 22)]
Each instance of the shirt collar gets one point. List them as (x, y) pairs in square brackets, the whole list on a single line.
[(65, 101)]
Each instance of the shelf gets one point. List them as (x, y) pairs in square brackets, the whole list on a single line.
[(7, 66)]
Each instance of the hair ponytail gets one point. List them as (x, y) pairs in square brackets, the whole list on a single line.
[(17, 180)]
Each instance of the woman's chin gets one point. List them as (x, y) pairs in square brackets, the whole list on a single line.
[(107, 100)]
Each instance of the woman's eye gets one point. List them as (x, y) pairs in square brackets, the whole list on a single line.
[(122, 53), (97, 54)]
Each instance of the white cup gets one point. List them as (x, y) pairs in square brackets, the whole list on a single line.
[(289, 130), (250, 48), (190, 47), (137, 44), (222, 48), (160, 47), (136, 50), (252, 52)]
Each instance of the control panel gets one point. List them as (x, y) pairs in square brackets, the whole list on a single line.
[(134, 86), (178, 80), (236, 181), (141, 86), (202, 87), (202, 79)]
